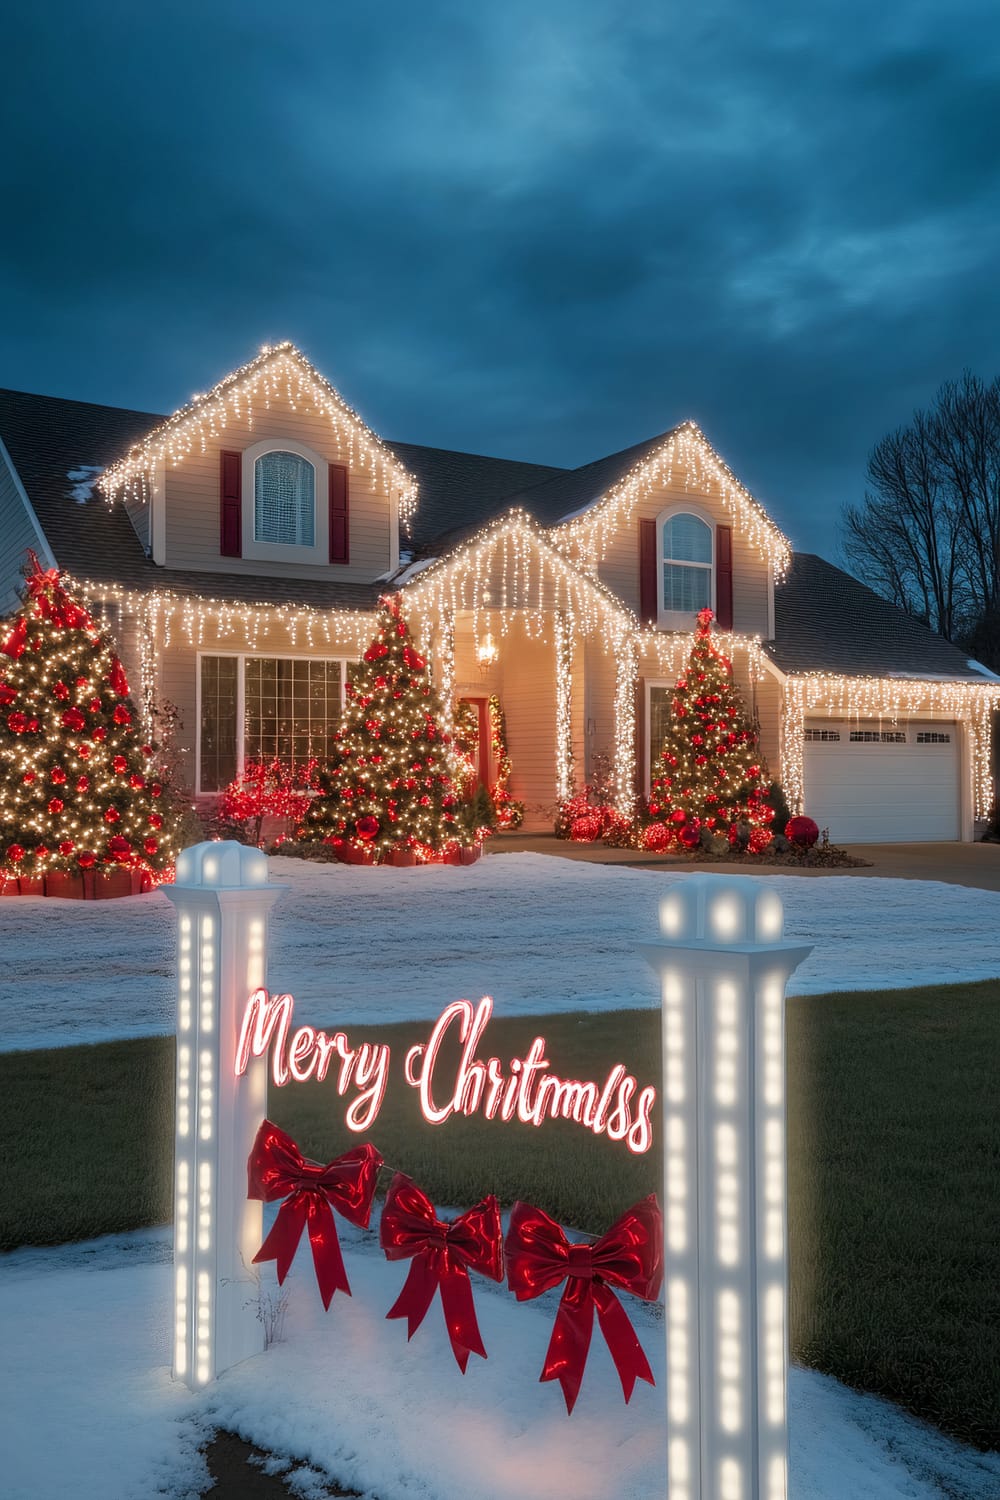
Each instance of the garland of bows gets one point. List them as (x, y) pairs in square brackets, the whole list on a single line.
[(536, 1255)]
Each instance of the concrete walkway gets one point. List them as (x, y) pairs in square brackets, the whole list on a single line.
[(975, 865)]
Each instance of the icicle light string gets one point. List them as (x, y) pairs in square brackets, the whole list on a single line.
[(686, 458), (278, 373)]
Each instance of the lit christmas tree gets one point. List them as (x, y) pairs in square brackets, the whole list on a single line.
[(77, 786), (394, 782), (711, 774)]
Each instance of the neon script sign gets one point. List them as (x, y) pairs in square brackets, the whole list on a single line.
[(527, 1090)]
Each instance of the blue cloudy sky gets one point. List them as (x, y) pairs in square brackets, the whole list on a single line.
[(542, 229)]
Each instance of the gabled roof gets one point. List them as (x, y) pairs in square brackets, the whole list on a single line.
[(459, 492), (574, 490), (278, 370), (48, 437), (826, 621)]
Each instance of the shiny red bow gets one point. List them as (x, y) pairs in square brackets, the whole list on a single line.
[(277, 1169), (442, 1254), (629, 1256), (46, 588)]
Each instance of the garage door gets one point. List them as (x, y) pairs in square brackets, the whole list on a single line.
[(873, 783)]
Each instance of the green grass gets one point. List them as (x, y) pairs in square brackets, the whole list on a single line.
[(894, 1169)]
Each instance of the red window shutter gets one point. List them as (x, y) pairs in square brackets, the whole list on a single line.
[(340, 545), (724, 577), (231, 505), (648, 590)]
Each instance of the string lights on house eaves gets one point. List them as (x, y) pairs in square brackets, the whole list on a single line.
[(684, 459), (278, 373)]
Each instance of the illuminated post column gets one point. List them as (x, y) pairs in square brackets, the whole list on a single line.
[(723, 970), (222, 898)]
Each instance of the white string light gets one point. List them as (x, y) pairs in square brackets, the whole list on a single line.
[(280, 372), (685, 458)]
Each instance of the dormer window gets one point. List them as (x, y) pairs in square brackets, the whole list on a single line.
[(687, 565), (284, 499), (283, 502)]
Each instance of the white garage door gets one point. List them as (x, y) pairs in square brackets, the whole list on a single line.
[(878, 783)]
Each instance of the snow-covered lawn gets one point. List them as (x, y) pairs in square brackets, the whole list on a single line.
[(539, 934), (92, 1412)]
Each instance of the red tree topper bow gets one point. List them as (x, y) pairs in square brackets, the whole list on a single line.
[(629, 1256), (442, 1255), (277, 1169)]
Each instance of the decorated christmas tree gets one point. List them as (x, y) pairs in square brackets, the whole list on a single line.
[(710, 774), (394, 782), (78, 789)]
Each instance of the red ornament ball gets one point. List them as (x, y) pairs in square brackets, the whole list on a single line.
[(61, 691), (147, 749), (119, 764), (656, 837), (136, 783), (112, 815), (17, 723), (690, 835), (58, 775), (156, 790), (83, 783), (121, 714), (119, 847), (28, 778), (150, 845), (367, 828), (678, 815), (66, 847), (759, 840), (86, 860), (99, 734), (802, 832), (83, 751), (15, 853), (586, 829), (56, 805)]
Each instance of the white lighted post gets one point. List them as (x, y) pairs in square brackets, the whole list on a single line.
[(222, 898), (723, 967)]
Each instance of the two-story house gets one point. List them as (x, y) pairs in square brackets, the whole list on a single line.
[(238, 547)]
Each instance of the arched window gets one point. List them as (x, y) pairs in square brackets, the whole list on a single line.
[(284, 499), (687, 545)]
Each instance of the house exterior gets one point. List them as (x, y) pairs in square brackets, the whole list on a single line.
[(237, 550)]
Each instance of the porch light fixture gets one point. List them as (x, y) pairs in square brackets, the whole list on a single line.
[(487, 652)]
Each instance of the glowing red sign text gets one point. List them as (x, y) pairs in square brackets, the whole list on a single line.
[(617, 1108)]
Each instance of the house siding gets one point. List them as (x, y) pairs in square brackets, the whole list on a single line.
[(751, 577), (528, 694), (192, 503), (18, 531)]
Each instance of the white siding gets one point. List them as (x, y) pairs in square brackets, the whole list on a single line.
[(19, 530)]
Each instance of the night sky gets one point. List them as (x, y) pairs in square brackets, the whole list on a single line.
[(540, 229)]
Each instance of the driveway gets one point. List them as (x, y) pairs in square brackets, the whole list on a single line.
[(975, 865)]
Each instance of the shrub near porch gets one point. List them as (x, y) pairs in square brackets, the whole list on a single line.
[(894, 1182)]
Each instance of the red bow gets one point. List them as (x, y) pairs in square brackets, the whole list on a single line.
[(442, 1254), (629, 1256), (15, 642), (45, 587), (277, 1169)]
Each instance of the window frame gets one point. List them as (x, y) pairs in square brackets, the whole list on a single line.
[(241, 658), (679, 619), (291, 552)]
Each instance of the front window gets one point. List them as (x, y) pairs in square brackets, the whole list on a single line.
[(687, 565), (264, 708), (284, 499)]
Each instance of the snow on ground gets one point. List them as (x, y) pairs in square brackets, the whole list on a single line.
[(93, 1413), (537, 933)]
